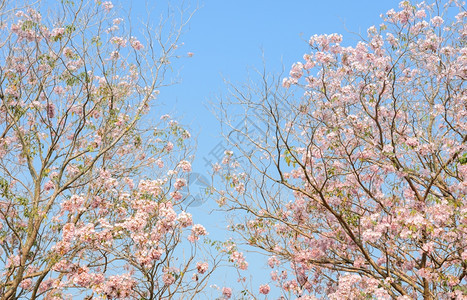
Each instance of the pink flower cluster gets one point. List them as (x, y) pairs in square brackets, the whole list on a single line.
[(184, 219), (74, 204), (226, 292), (264, 289), (196, 231), (83, 278), (202, 267), (136, 44), (118, 286), (108, 5), (239, 260), (185, 166)]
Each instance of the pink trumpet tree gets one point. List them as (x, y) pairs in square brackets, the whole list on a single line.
[(352, 171), (90, 188)]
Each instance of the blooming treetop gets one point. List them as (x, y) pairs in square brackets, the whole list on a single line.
[(90, 199), (361, 182)]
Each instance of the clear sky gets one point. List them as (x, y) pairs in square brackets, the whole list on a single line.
[(228, 39)]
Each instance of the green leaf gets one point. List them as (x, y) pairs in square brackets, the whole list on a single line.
[(463, 159)]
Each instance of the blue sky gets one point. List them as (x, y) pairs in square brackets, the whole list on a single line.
[(228, 39)]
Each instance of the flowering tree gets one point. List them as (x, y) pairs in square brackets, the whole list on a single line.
[(90, 200), (357, 188)]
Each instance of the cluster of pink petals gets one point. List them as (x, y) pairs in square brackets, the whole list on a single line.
[(264, 289), (202, 267), (239, 259), (197, 230), (226, 292)]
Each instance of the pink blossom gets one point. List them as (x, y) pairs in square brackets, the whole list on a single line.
[(177, 196), (59, 90), (57, 32), (49, 185), (119, 286), (216, 167), (152, 187), (185, 219), (411, 142), (108, 5), (136, 223), (186, 134), (202, 267), (437, 21), (62, 247), (420, 14), (287, 82), (83, 278), (75, 203), (68, 232), (346, 286), (297, 70), (464, 255), (114, 55), (26, 284), (136, 44), (290, 286), (428, 247), (34, 15), (168, 278), (185, 166), (119, 41), (169, 146), (196, 231), (62, 266), (13, 91), (381, 294), (86, 233), (273, 261), (264, 289), (160, 163), (388, 148), (274, 276), (72, 169), (156, 253), (370, 235), (179, 183), (46, 285), (453, 281), (50, 110), (239, 260), (425, 273), (359, 262), (227, 292)]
